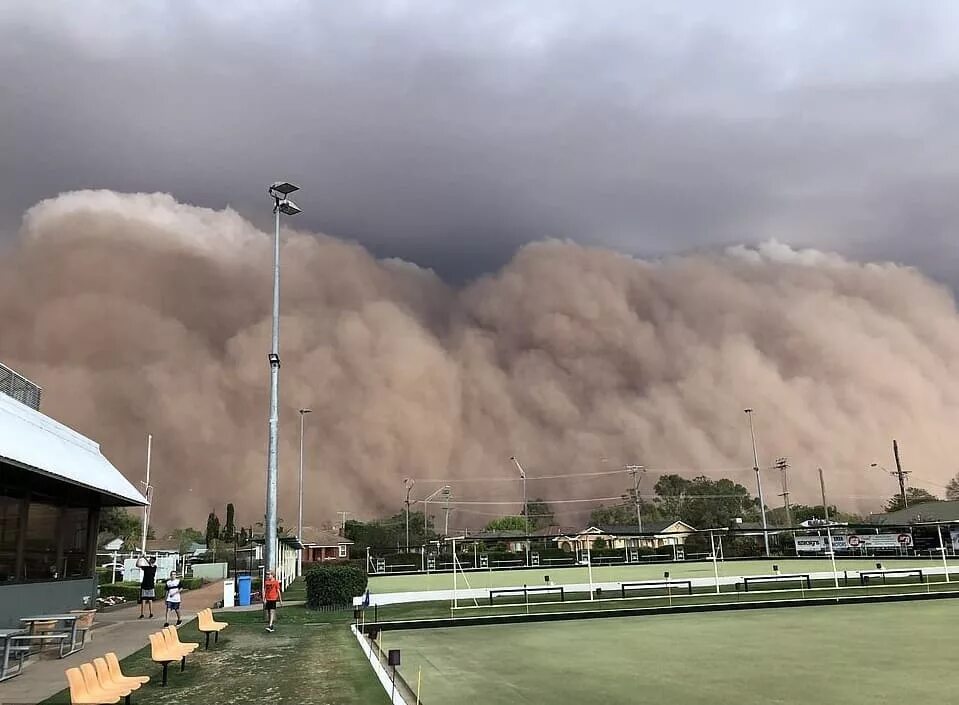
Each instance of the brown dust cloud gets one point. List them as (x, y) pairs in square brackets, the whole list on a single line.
[(140, 314)]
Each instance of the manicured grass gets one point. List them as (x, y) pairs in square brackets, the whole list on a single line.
[(620, 573), (875, 654), (311, 658)]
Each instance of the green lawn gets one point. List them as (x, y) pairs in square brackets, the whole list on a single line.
[(620, 573), (870, 654), (311, 658)]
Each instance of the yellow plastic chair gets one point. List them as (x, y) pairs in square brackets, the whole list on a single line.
[(79, 695), (173, 641), (113, 663), (102, 692), (207, 625), (160, 653), (108, 681)]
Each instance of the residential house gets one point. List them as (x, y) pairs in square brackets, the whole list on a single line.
[(322, 545), (926, 511), (654, 535)]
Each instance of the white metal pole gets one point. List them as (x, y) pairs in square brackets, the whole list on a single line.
[(942, 550), (454, 573), (589, 568), (146, 491), (299, 513), (832, 556), (274, 423), (712, 544), (759, 480)]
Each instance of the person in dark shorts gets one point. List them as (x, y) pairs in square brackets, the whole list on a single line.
[(271, 596), (173, 599), (147, 582)]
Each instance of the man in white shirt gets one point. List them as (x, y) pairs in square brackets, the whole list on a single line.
[(173, 599)]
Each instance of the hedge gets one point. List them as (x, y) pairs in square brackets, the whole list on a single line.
[(333, 585)]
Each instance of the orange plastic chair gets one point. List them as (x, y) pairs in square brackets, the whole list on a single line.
[(160, 653), (108, 681), (102, 692), (207, 625), (173, 641), (113, 663), (79, 695)]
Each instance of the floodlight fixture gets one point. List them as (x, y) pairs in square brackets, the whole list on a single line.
[(288, 207), (282, 189)]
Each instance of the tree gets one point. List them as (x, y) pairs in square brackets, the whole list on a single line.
[(117, 522), (952, 488), (244, 538), (540, 514), (389, 532), (212, 529), (915, 495), (186, 538), (508, 523), (702, 502), (229, 528)]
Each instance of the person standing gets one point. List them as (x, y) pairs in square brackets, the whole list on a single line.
[(173, 599), (271, 596), (148, 582)]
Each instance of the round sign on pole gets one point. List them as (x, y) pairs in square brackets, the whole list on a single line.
[(905, 539), (853, 541)]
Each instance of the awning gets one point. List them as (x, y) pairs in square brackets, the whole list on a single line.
[(37, 443)]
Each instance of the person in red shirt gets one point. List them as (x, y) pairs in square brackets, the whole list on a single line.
[(271, 596)]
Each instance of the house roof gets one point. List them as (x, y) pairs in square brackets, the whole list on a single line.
[(652, 527), (38, 443), (154, 545), (321, 538), (506, 535), (927, 511)]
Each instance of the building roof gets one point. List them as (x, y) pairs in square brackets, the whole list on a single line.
[(505, 535), (37, 443), (927, 511), (321, 538), (163, 545), (652, 527)]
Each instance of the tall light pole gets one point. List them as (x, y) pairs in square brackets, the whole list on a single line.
[(522, 474), (299, 509), (148, 493), (280, 192), (759, 480), (409, 482)]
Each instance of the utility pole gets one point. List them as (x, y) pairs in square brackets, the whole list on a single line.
[(343, 516), (759, 481), (634, 471), (446, 525), (822, 486), (782, 464), (409, 482), (901, 474)]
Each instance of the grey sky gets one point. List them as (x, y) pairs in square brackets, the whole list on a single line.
[(451, 132)]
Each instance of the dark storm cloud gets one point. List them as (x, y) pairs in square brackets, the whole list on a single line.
[(449, 133)]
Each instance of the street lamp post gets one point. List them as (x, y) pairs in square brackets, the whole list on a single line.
[(522, 474), (409, 482), (759, 480), (280, 192), (299, 510)]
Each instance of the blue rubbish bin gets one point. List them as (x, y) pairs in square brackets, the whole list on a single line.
[(244, 584)]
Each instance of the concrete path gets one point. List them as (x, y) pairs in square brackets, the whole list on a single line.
[(119, 630)]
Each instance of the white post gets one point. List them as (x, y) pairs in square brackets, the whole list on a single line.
[(146, 509), (942, 550), (832, 556), (454, 573), (712, 544), (589, 568), (759, 480), (114, 567)]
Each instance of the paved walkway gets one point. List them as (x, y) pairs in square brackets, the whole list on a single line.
[(119, 630)]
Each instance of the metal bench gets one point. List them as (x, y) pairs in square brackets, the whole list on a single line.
[(650, 584), (526, 591), (777, 578), (864, 575)]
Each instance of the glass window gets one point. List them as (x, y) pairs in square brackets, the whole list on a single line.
[(342, 550), (9, 532), (40, 545), (75, 525)]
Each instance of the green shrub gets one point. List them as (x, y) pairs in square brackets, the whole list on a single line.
[(334, 585), (129, 590)]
